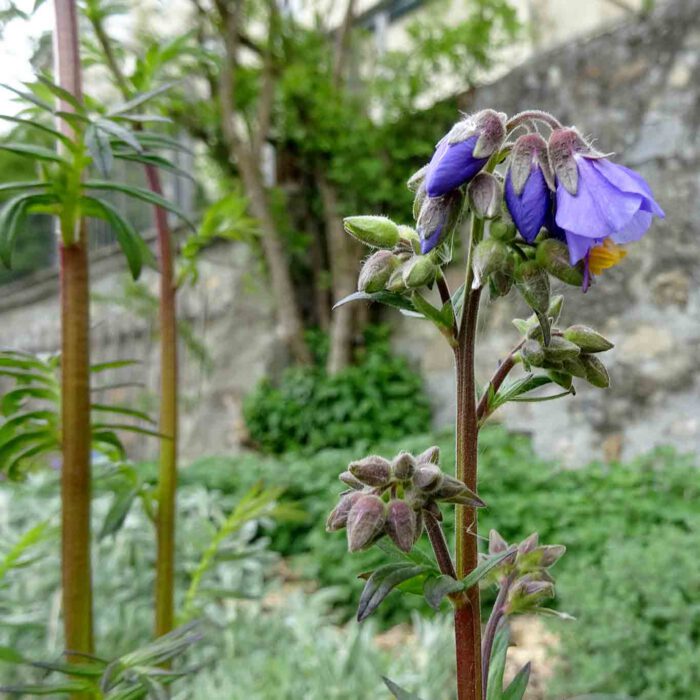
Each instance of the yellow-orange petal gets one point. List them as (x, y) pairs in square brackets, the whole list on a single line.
[(604, 256)]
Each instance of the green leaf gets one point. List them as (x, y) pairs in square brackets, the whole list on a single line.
[(49, 444), (140, 193), (12, 400), (398, 692), (114, 364), (130, 242), (34, 124), (28, 185), (61, 94), (154, 160), (381, 583), (122, 411), (54, 689), (442, 320), (29, 97), (35, 152), (497, 664), (518, 686), (389, 298), (116, 515), (100, 149), (514, 389), (120, 133), (436, 589), (11, 655), (139, 100), (144, 118), (126, 427), (11, 425), (484, 568)]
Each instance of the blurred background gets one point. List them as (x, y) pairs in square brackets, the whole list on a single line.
[(333, 106)]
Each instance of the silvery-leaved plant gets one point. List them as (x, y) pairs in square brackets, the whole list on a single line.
[(542, 203)]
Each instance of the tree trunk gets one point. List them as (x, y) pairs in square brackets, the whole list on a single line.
[(344, 258), (288, 313)]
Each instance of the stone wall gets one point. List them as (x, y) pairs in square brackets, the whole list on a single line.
[(636, 87)]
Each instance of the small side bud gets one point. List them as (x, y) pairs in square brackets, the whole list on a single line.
[(596, 373), (401, 524), (485, 196), (491, 128), (533, 284), (452, 490), (529, 544), (403, 466), (409, 237), (365, 521), (432, 455), (419, 272), (587, 339), (374, 231), (491, 256), (349, 480), (428, 478), (503, 230), (532, 353), (437, 219), (551, 554), (395, 283), (496, 543), (338, 518), (553, 256), (376, 271), (372, 470), (560, 349)]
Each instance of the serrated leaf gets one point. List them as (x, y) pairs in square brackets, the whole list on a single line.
[(397, 691), (100, 149), (436, 589), (484, 568), (389, 298), (381, 583), (517, 687)]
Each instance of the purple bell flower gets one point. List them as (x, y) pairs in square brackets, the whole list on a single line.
[(599, 204), (464, 151), (528, 185)]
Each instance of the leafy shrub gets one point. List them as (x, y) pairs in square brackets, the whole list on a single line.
[(379, 398), (638, 617)]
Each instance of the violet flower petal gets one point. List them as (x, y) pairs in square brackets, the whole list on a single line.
[(529, 208), (451, 166)]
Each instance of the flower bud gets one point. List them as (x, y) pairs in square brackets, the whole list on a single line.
[(403, 466), (374, 231), (418, 272), (528, 544), (485, 196), (502, 230), (365, 521), (490, 256), (409, 237), (372, 470), (574, 367), (428, 478), (438, 218), (432, 455), (563, 379), (563, 144), (533, 284), (496, 543), (596, 373), (453, 490), (532, 353), (395, 283), (555, 307), (551, 554), (416, 180), (338, 518), (401, 524), (376, 271), (560, 349), (526, 593), (500, 283), (349, 480), (490, 125), (587, 339), (553, 256)]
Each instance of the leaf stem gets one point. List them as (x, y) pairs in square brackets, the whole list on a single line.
[(499, 376), (439, 544)]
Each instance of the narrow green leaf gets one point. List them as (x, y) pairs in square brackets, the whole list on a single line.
[(28, 185), (36, 152), (120, 133), (52, 689), (144, 118), (497, 664), (517, 687), (11, 655), (13, 399), (512, 390), (116, 515), (126, 427), (156, 161), (381, 583), (34, 124), (484, 568), (398, 692), (114, 364), (22, 440), (61, 94), (140, 193), (389, 298), (12, 424), (436, 589), (29, 97), (140, 99), (123, 411), (430, 312), (100, 149)]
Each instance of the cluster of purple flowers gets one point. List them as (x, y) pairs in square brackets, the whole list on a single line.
[(563, 185)]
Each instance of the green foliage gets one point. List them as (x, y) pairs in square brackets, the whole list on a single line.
[(378, 398)]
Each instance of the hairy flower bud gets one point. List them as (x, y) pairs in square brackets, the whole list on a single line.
[(491, 256), (418, 272), (532, 353), (365, 521), (587, 339), (596, 373), (416, 180), (485, 196), (372, 470), (409, 237), (496, 543), (349, 480), (428, 478), (403, 466), (560, 349), (401, 524), (551, 554), (438, 218), (553, 256), (526, 593), (574, 367), (528, 544), (338, 518), (563, 145), (453, 490), (500, 283), (395, 283), (374, 231), (502, 230), (432, 455), (376, 271), (533, 284)]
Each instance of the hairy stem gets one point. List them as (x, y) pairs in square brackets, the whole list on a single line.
[(467, 612), (75, 376)]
